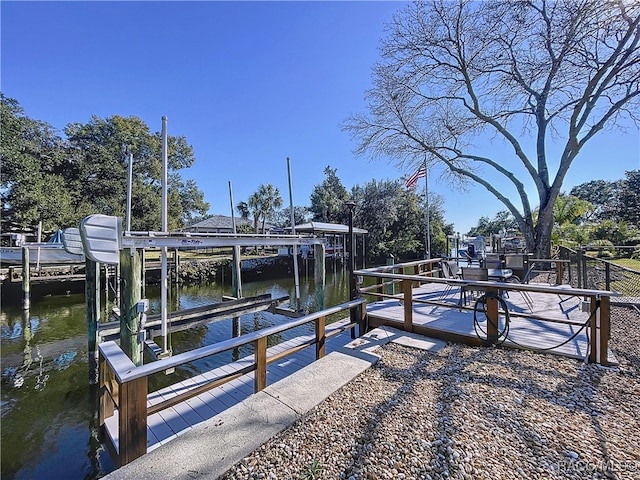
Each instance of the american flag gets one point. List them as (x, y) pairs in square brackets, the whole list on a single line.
[(412, 181)]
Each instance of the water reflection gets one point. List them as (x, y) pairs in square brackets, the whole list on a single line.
[(49, 411)]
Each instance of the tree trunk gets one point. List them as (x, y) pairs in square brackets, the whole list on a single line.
[(543, 232)]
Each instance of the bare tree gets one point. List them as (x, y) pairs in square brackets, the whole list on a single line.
[(517, 71)]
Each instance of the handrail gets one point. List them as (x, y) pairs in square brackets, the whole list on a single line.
[(124, 372), (386, 268), (502, 285)]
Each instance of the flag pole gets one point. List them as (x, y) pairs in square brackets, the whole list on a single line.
[(427, 234)]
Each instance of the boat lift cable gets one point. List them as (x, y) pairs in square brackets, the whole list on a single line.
[(503, 334)]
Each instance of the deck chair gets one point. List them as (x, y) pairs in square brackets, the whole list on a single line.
[(525, 295), (476, 274), (451, 271), (493, 261), (454, 269)]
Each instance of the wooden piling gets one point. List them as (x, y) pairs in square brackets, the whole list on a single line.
[(26, 280), (130, 279), (176, 266), (92, 313), (236, 285), (318, 275), (106, 288), (143, 269)]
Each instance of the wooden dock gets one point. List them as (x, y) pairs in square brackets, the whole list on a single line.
[(435, 314), (554, 319)]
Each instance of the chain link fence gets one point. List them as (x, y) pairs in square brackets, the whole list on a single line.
[(585, 271)]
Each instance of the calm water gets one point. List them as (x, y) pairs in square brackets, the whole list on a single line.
[(49, 416)]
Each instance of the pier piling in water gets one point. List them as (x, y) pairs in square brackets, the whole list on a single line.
[(26, 282), (130, 279), (92, 312)]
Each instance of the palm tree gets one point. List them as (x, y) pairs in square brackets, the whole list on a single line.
[(253, 204), (269, 200)]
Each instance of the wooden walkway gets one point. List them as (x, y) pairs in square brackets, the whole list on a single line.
[(169, 423), (527, 332)]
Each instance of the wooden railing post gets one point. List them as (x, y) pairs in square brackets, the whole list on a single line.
[(559, 272), (593, 331), (132, 409), (408, 306), (492, 315), (605, 329), (379, 282), (260, 354), (362, 309), (320, 324)]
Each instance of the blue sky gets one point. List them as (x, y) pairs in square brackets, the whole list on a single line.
[(247, 83)]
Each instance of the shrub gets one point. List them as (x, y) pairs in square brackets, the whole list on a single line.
[(604, 247)]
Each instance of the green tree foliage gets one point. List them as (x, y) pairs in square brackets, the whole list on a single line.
[(394, 217), (629, 199), (616, 205), (282, 217), (523, 72), (35, 172), (570, 209), (59, 181), (603, 195), (503, 222), (327, 199), (262, 205), (100, 150), (270, 201)]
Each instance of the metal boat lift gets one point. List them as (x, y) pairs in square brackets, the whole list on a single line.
[(102, 240)]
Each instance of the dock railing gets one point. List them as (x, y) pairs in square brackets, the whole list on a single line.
[(598, 304), (385, 286), (124, 387)]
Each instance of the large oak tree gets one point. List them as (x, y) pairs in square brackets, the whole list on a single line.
[(60, 180), (521, 72)]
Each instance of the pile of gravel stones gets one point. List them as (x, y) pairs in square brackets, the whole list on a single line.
[(470, 413)]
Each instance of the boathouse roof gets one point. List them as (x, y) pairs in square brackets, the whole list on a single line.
[(322, 227)]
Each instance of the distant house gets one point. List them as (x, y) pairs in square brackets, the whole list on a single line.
[(223, 224)]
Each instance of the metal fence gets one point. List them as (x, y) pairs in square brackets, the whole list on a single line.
[(586, 271)]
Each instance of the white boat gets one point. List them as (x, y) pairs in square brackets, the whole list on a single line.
[(39, 254)]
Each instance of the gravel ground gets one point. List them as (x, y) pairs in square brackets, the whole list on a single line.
[(470, 413)]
